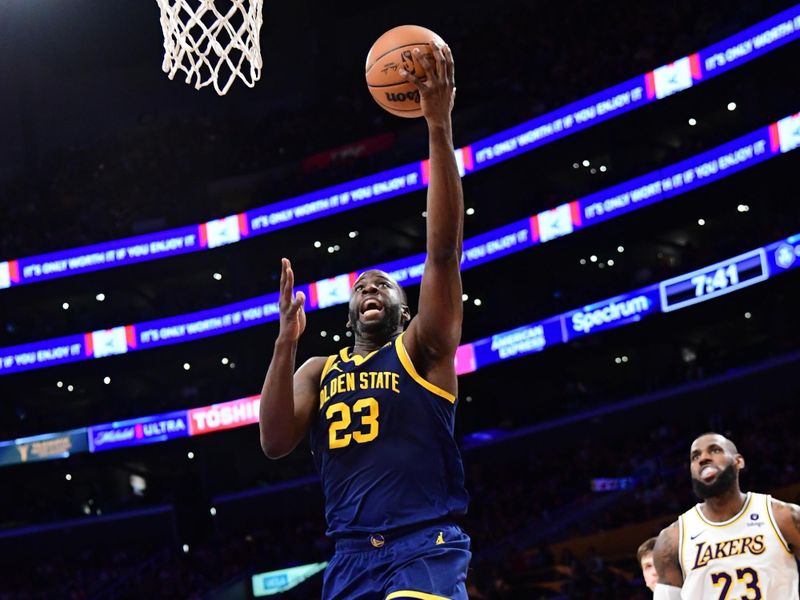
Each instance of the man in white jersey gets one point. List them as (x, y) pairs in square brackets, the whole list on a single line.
[(732, 545)]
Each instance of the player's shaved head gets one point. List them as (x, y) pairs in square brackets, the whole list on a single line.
[(718, 438)]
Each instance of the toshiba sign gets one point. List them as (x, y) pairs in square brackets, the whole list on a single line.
[(227, 415)]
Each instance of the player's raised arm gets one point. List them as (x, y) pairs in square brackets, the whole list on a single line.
[(287, 398), (668, 567), (435, 332), (788, 520)]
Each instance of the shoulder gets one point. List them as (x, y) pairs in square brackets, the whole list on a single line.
[(314, 367), (787, 515), (668, 536), (666, 556)]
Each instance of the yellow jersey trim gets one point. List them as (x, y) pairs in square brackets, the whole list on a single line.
[(359, 360), (774, 524), (730, 521), (325, 370), (409, 367), (413, 594)]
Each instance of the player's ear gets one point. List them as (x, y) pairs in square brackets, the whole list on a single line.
[(406, 313), (740, 462)]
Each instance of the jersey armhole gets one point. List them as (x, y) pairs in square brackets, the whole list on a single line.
[(327, 367), (405, 359), (774, 524)]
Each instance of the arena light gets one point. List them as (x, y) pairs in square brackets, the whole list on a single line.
[(748, 315), (692, 121), (477, 302), (186, 366), (225, 360), (593, 258), (743, 208), (60, 384), (701, 222), (100, 297), (107, 380), (68, 477), (70, 388), (217, 276), (731, 106), (190, 455), (470, 211), (353, 234), (626, 96), (317, 244), (336, 337), (610, 262), (586, 163), (213, 511), (603, 168), (65, 306), (620, 249)]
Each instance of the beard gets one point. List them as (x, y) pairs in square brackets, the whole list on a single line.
[(724, 481), (380, 329)]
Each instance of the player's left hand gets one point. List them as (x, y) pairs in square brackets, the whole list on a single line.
[(437, 90)]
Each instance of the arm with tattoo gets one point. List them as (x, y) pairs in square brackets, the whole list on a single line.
[(788, 520), (666, 558)]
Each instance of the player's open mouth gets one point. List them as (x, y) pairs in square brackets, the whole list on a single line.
[(708, 473), (371, 308)]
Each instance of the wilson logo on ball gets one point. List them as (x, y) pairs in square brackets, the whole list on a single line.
[(403, 96)]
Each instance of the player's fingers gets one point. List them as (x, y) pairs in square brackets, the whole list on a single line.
[(426, 60), (450, 65), (439, 58), (284, 297), (411, 78), (300, 299)]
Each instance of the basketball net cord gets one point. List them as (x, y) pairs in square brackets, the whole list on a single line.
[(207, 46)]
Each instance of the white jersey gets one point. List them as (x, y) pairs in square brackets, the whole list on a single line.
[(744, 557)]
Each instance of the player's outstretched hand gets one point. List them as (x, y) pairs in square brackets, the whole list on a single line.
[(437, 90), (293, 317)]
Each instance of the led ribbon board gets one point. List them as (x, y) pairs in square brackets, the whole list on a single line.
[(562, 220), (642, 90), (673, 294)]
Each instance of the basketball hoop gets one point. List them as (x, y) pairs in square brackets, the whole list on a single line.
[(212, 46)]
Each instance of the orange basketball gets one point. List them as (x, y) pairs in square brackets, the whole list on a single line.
[(390, 52)]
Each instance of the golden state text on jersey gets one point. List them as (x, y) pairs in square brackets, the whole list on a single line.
[(383, 444)]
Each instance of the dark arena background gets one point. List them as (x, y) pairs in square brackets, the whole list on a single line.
[(632, 231)]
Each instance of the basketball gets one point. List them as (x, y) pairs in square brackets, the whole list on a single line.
[(390, 52)]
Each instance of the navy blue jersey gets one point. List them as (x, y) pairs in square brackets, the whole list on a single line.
[(383, 444)]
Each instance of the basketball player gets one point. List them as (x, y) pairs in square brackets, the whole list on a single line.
[(381, 414), (644, 556), (731, 545)]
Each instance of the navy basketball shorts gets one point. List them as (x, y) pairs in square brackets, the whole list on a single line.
[(425, 563)]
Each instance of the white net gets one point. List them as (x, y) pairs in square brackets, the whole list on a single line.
[(212, 41)]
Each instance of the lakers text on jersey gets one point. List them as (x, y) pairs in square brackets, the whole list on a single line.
[(743, 557)]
